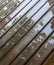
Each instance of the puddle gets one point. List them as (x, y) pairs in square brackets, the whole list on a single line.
[(19, 33)]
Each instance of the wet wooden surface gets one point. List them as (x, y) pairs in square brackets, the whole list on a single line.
[(29, 43)]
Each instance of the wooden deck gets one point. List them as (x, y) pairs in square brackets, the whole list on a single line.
[(27, 32)]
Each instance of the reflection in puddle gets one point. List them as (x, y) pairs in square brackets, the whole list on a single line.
[(11, 23), (25, 28), (21, 32), (37, 41)]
